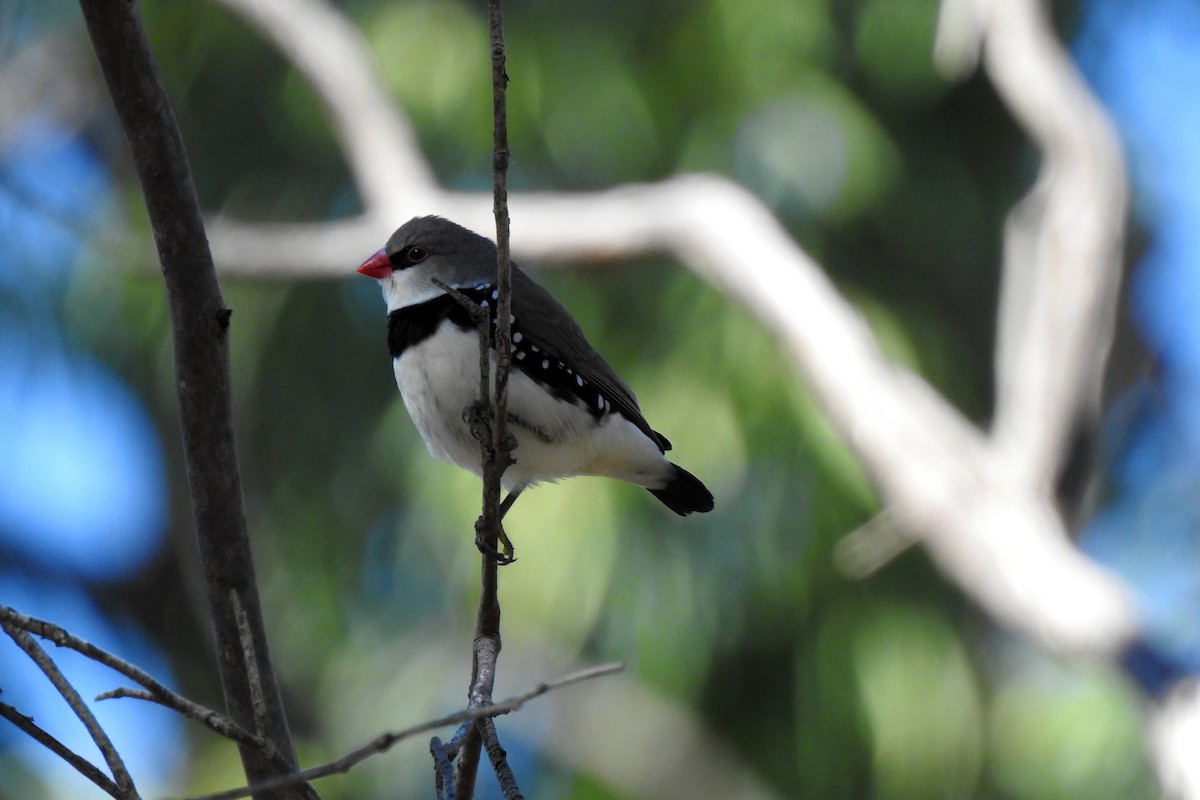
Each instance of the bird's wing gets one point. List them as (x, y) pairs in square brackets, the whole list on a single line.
[(548, 325)]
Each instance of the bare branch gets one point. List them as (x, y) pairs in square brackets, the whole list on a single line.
[(121, 778), (495, 451), (386, 741), (498, 758), (335, 59), (61, 638), (1175, 736), (80, 764), (200, 323), (215, 721), (1064, 240), (156, 691)]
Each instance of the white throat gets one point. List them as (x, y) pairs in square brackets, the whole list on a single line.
[(408, 287)]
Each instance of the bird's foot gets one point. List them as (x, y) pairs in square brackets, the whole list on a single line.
[(478, 417), (506, 554)]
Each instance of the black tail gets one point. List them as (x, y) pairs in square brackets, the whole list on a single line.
[(684, 493)]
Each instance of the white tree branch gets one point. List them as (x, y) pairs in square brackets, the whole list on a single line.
[(1064, 242), (1175, 740), (334, 57)]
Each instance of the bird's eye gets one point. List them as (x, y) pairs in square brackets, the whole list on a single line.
[(416, 254)]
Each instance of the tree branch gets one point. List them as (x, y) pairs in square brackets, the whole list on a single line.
[(200, 323), (216, 722), (121, 779), (1175, 740), (495, 452), (1064, 240), (334, 58), (156, 691), (81, 765), (386, 741)]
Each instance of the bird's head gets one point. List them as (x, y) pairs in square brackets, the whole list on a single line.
[(425, 248)]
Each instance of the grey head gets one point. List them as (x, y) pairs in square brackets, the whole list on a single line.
[(425, 248)]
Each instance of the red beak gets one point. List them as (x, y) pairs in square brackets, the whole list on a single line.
[(377, 266)]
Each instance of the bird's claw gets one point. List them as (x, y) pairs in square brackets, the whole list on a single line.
[(505, 555), (478, 417)]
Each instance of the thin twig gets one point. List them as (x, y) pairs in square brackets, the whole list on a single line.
[(480, 419), (476, 312), (496, 458), (484, 653), (156, 692), (79, 763), (466, 764), (121, 777), (503, 343), (250, 664), (63, 638), (443, 770), (496, 452), (498, 757), (386, 741), (213, 720)]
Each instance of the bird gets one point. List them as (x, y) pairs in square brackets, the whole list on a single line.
[(568, 411)]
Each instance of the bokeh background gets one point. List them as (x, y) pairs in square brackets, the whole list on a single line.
[(753, 664)]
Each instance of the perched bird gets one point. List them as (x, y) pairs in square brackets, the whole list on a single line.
[(568, 411)]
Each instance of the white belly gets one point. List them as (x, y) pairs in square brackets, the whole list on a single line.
[(439, 380)]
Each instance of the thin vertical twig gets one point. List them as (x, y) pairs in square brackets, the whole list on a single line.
[(496, 450), (500, 159)]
